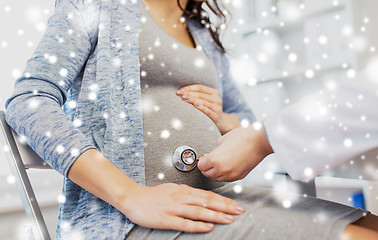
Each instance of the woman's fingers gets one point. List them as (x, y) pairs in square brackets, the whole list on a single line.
[(199, 88), (205, 99), (192, 96), (215, 202), (200, 92), (187, 225), (207, 111), (204, 214), (179, 207)]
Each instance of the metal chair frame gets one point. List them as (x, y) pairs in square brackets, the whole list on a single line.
[(21, 157)]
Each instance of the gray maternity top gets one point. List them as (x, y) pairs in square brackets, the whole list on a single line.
[(168, 122)]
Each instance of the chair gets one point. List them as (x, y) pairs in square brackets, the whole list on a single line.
[(22, 157)]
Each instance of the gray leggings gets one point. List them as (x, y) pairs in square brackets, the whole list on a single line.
[(270, 215)]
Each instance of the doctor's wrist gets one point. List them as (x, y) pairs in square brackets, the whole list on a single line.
[(260, 140)]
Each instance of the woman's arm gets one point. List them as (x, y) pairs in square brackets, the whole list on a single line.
[(166, 206), (35, 108)]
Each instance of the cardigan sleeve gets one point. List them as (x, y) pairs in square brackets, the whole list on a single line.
[(34, 110), (233, 101)]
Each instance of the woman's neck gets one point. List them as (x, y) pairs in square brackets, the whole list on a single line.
[(166, 10)]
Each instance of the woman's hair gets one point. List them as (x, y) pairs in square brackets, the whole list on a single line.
[(194, 9)]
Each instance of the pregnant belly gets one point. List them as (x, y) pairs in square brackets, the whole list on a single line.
[(168, 123)]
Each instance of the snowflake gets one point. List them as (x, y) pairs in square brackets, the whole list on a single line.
[(238, 188), (309, 73), (244, 123), (199, 62), (60, 149), (77, 122), (176, 124), (61, 198), (150, 56), (323, 40), (11, 179), (323, 110), (75, 152), (122, 140), (20, 32), (268, 175), (117, 62), (92, 96), (308, 172), (257, 126), (157, 42), (16, 73), (6, 149), (165, 134), (286, 203), (52, 59), (72, 104), (33, 104), (22, 139), (293, 57), (30, 44), (351, 73), (63, 72), (7, 9), (161, 176), (348, 142)]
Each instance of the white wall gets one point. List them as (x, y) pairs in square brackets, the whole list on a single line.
[(22, 24)]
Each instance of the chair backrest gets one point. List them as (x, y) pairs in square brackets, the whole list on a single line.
[(20, 157), (16, 143)]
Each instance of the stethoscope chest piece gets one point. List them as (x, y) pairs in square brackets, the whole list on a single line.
[(185, 158)]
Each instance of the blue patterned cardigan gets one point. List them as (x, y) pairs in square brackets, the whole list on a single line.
[(82, 75)]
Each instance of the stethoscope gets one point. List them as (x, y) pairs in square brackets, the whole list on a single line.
[(185, 158)]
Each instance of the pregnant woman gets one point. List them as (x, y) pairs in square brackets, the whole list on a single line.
[(140, 82)]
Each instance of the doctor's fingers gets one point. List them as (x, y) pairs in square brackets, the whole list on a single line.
[(222, 175), (204, 163), (211, 173)]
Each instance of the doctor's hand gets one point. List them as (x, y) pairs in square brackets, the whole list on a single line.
[(207, 100), (236, 154), (179, 207)]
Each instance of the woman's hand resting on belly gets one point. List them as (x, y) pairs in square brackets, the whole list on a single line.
[(179, 207), (165, 206), (207, 100)]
